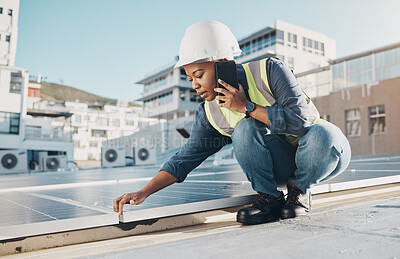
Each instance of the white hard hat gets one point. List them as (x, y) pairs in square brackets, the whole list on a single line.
[(207, 41)]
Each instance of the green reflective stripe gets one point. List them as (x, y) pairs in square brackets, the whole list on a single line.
[(232, 117), (264, 77), (307, 98), (213, 110), (254, 94), (260, 84), (320, 120), (225, 118)]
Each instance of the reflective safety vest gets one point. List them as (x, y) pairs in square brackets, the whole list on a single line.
[(224, 120)]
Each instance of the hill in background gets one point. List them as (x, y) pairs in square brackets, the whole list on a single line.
[(53, 91)]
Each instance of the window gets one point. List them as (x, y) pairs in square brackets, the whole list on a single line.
[(279, 37), (10, 12), (292, 40), (159, 82), (9, 122), (1, 10), (182, 94), (7, 38), (16, 82), (353, 122), (309, 43), (387, 64), (183, 74), (291, 63), (377, 123), (313, 46), (338, 75), (99, 133), (359, 71), (93, 144), (165, 98)]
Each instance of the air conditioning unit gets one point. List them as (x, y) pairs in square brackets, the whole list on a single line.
[(112, 156), (51, 162), (145, 155), (13, 161)]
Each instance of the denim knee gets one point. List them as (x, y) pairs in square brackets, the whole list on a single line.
[(323, 152), (319, 137), (246, 132)]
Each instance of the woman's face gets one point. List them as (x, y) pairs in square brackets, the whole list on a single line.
[(202, 76)]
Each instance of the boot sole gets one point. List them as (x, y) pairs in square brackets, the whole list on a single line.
[(255, 220)]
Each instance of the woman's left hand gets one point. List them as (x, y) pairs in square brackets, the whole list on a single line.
[(234, 99)]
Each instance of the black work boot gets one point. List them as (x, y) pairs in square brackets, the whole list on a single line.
[(297, 202), (266, 209)]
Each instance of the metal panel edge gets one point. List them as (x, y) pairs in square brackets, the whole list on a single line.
[(41, 228), (187, 208)]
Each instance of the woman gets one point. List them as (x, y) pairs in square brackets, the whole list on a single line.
[(275, 129)]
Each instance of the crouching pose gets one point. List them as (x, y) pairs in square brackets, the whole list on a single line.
[(277, 134)]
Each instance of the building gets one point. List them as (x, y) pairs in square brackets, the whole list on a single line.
[(9, 10), (13, 90), (167, 93), (48, 131), (13, 81), (360, 93), (301, 49), (94, 124)]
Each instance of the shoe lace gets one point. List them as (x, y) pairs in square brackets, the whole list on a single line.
[(293, 195), (262, 199)]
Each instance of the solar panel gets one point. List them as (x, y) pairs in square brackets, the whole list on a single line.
[(58, 196)]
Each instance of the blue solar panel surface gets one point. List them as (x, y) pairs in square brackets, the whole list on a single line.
[(50, 196)]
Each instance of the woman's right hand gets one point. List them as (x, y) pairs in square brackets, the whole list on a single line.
[(160, 181), (133, 198)]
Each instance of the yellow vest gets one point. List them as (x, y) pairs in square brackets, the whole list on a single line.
[(224, 120)]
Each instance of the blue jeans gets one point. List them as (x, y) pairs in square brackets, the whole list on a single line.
[(269, 161)]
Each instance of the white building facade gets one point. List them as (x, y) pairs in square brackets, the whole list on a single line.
[(301, 49), (13, 90), (9, 10), (94, 124), (47, 130)]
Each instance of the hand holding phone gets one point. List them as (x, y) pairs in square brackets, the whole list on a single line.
[(226, 71)]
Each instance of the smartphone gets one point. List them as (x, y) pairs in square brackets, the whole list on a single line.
[(226, 71)]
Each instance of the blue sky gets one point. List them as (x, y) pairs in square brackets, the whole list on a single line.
[(104, 47)]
